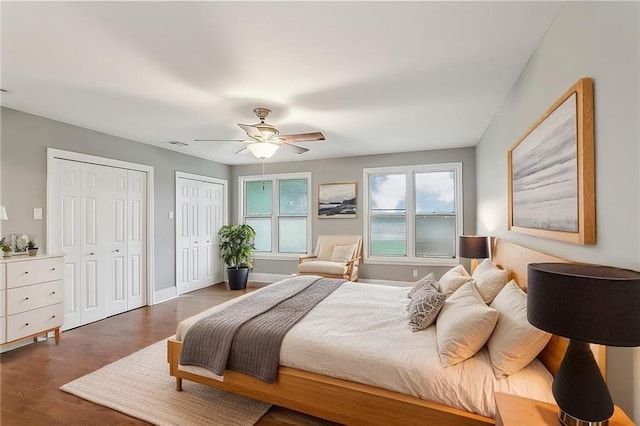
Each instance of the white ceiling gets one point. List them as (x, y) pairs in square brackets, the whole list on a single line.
[(374, 77)]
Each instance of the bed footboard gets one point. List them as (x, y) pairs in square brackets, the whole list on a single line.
[(329, 398)]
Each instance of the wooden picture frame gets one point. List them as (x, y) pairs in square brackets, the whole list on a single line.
[(551, 182), (337, 200)]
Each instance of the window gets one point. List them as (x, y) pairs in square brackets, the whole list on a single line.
[(413, 214), (277, 207)]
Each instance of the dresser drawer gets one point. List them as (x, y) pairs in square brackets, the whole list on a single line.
[(34, 271), (34, 296), (32, 322)]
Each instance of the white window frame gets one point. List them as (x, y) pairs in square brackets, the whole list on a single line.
[(409, 172), (274, 254)]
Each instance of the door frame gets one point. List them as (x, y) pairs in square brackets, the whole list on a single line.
[(53, 153), (225, 209)]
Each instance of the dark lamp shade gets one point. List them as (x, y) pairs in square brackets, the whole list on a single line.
[(473, 247), (588, 303)]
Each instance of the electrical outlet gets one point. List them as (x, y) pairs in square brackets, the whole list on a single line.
[(415, 273), (170, 215)]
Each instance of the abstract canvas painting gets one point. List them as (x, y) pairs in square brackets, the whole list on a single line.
[(551, 171)]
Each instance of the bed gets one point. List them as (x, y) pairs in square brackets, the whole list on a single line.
[(334, 396)]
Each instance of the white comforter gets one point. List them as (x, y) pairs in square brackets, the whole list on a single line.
[(361, 333)]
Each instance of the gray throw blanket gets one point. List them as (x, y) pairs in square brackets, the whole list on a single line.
[(247, 336)]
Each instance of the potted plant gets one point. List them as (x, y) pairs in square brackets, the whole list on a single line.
[(6, 249), (31, 246), (236, 245)]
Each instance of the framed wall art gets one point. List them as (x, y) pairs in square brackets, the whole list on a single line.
[(337, 200), (551, 184)]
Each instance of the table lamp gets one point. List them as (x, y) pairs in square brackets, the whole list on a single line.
[(587, 304), (474, 248)]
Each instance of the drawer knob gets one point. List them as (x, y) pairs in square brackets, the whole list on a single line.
[(53, 269), (26, 298), (53, 316), (26, 272), (116, 251), (91, 254), (26, 324), (53, 292)]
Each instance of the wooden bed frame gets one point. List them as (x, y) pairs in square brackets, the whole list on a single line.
[(353, 403)]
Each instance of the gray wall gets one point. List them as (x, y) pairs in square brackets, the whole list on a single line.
[(598, 40), (350, 169), (25, 139)]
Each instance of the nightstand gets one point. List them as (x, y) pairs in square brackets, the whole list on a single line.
[(513, 410)]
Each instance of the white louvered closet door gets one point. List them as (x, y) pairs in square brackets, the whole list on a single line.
[(199, 216), (183, 236), (99, 223), (136, 237)]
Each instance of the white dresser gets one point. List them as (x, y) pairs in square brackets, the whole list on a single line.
[(31, 297)]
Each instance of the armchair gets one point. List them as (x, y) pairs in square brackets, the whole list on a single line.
[(336, 256)]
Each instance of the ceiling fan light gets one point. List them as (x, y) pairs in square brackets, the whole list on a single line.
[(263, 150)]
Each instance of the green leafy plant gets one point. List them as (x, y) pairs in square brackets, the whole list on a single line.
[(236, 245), (5, 248), (32, 244)]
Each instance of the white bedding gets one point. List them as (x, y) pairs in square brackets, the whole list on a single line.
[(361, 333)]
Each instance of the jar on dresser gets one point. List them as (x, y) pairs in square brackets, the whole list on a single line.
[(31, 297)]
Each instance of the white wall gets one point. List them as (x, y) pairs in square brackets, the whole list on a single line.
[(587, 39)]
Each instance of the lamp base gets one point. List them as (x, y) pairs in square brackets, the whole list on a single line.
[(569, 420)]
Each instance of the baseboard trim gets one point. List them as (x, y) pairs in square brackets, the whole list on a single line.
[(165, 294)]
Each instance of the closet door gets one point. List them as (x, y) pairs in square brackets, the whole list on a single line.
[(217, 218), (66, 235), (183, 236), (116, 238), (94, 242), (136, 237), (207, 234)]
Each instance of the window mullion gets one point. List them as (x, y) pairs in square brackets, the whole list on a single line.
[(410, 216)]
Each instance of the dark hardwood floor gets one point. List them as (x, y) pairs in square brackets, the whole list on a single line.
[(31, 375)]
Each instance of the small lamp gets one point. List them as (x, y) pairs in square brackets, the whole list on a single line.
[(3, 213), (474, 248), (587, 304)]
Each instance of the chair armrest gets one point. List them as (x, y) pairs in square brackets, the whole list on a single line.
[(306, 257), (353, 260)]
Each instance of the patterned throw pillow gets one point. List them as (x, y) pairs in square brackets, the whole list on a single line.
[(424, 307), (429, 280)]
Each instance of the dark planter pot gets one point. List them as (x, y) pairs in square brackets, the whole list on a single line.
[(238, 278)]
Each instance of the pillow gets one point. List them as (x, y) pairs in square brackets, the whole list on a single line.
[(427, 280), (342, 254), (490, 279), (464, 325), (424, 307), (453, 279), (514, 342)]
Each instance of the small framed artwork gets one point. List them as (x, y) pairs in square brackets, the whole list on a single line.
[(337, 200), (19, 243), (551, 172)]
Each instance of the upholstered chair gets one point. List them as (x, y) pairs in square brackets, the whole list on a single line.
[(336, 256)]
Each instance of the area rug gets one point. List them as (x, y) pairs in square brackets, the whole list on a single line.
[(139, 385)]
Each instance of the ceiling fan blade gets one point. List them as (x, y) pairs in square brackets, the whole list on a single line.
[(252, 131), (219, 140), (302, 137), (244, 150), (294, 148)]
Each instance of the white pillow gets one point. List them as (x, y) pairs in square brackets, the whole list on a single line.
[(514, 342), (428, 279), (490, 279), (342, 254), (464, 325), (453, 280)]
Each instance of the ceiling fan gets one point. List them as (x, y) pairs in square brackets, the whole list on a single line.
[(266, 138)]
